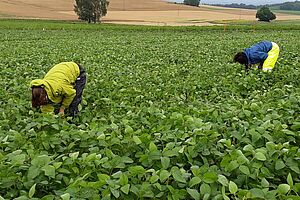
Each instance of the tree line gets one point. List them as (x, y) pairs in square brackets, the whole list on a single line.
[(290, 6)]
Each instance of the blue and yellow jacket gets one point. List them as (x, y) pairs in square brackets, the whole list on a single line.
[(258, 52)]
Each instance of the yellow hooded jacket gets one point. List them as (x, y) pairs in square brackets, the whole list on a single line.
[(59, 84)]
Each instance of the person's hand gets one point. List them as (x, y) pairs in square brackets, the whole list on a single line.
[(247, 68), (260, 66), (62, 111)]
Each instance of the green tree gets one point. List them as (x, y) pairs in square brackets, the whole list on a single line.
[(91, 10), (191, 2), (264, 14)]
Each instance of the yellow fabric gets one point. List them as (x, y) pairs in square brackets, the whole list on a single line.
[(59, 84), (269, 63), (47, 108)]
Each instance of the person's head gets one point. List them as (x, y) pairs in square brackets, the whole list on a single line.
[(39, 97), (241, 58)]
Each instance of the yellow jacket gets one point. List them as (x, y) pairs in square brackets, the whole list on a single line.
[(59, 84)]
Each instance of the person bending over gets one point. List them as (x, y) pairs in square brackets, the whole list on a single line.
[(263, 55), (61, 87)]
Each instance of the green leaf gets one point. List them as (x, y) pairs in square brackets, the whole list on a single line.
[(47, 197), (57, 165), (33, 172), (296, 126), (164, 175), (288, 132), (223, 180), (205, 189), (65, 196), (279, 164), (128, 129), (152, 146), (49, 171), (224, 193), (248, 147), (296, 187), (165, 162), (123, 179), (21, 198), (244, 169), (55, 126), (242, 159), (260, 156), (206, 196), (194, 181), (177, 175), (137, 140), (257, 193), (103, 177), (31, 191), (154, 178), (232, 187), (225, 197), (125, 189), (137, 170), (115, 192), (293, 165), (194, 193), (264, 183), (232, 165), (18, 159), (255, 135), (290, 180), (41, 160), (210, 177), (117, 174), (283, 188), (74, 155)]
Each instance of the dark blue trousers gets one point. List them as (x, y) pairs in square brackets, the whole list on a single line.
[(79, 86)]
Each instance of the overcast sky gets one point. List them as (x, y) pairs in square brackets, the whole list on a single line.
[(254, 2)]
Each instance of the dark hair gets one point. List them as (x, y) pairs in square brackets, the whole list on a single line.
[(39, 97), (241, 58)]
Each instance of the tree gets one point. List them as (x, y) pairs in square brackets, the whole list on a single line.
[(91, 10), (191, 2), (264, 14)]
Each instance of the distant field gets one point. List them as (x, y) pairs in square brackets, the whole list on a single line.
[(291, 12), (144, 12)]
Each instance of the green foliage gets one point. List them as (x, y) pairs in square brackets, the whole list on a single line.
[(91, 10), (191, 2), (264, 14), (168, 116)]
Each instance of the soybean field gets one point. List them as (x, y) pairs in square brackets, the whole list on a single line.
[(166, 114)]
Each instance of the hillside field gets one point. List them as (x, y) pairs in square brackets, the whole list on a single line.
[(166, 114), (143, 12)]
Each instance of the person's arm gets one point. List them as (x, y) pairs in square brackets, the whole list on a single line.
[(69, 93), (48, 108)]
